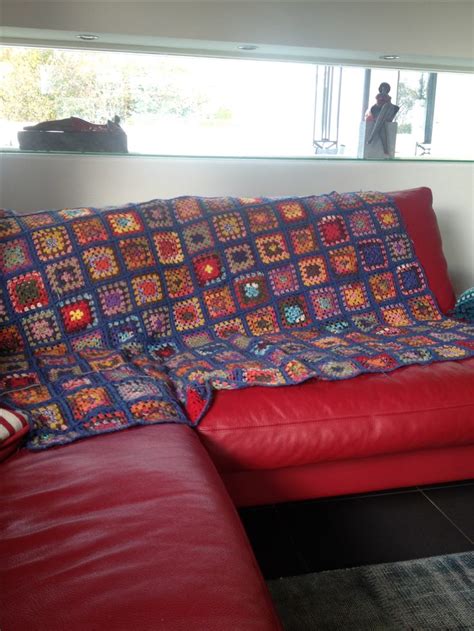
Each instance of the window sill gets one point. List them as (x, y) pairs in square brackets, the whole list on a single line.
[(315, 158)]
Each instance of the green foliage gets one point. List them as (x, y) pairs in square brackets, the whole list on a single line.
[(223, 114), (45, 84), (422, 87), (404, 128), (407, 97), (20, 94)]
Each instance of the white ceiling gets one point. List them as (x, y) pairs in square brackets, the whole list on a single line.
[(425, 34)]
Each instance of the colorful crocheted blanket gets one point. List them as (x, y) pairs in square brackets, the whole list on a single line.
[(125, 316)]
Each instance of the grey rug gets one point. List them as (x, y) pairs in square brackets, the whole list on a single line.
[(434, 593)]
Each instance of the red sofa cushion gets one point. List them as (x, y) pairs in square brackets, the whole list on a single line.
[(133, 530), (418, 407), (416, 207)]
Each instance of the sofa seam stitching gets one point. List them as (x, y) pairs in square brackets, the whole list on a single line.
[(202, 430)]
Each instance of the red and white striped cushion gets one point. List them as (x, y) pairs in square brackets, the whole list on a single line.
[(13, 428)]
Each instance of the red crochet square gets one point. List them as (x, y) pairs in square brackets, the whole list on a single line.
[(89, 231), (333, 230), (77, 316), (208, 269), (168, 247), (27, 292)]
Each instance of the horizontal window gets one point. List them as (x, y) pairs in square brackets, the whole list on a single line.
[(177, 105)]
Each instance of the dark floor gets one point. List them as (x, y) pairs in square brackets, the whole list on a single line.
[(316, 535)]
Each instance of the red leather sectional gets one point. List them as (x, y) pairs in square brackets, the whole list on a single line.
[(135, 530), (131, 531)]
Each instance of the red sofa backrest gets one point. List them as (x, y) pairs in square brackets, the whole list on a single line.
[(416, 207)]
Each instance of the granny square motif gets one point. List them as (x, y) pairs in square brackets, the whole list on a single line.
[(124, 316)]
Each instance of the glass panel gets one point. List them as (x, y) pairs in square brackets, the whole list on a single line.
[(453, 127), (209, 106)]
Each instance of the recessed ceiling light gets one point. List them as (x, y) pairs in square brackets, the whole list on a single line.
[(390, 57), (247, 47), (87, 37)]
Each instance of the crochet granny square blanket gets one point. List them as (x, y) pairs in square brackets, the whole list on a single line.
[(133, 315)]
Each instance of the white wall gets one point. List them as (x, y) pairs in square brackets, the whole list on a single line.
[(33, 182)]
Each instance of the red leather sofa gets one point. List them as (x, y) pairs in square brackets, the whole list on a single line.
[(136, 530), (409, 427)]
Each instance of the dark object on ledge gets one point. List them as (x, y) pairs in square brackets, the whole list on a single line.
[(74, 134)]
